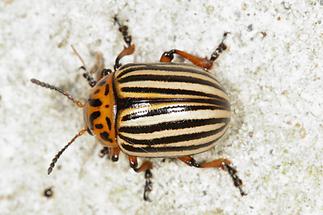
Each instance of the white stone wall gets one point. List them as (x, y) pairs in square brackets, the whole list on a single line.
[(273, 72)]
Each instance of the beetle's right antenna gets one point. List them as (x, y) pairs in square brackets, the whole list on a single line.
[(52, 87), (52, 164)]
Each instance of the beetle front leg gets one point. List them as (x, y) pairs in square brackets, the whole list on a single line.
[(146, 166), (129, 48), (198, 61), (221, 163), (111, 153)]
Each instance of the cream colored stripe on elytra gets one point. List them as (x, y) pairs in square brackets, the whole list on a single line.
[(170, 85), (167, 133), (186, 143), (200, 114)]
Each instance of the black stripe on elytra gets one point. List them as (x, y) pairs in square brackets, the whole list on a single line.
[(106, 90), (107, 119), (95, 102), (168, 68), (172, 139), (172, 125), (98, 126), (131, 65), (124, 103), (167, 91), (105, 136), (169, 78), (93, 116), (168, 148), (168, 110)]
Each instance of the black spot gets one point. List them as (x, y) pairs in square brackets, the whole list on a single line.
[(108, 122), (97, 91), (95, 102), (48, 192), (107, 106), (106, 91), (98, 126), (105, 136), (93, 116)]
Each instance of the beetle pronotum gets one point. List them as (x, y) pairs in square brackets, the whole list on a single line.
[(155, 110)]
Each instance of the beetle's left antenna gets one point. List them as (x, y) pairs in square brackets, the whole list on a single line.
[(52, 164), (51, 87)]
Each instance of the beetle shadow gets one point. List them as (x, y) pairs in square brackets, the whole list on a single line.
[(237, 117)]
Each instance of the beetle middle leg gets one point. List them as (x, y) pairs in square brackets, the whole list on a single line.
[(198, 61), (221, 163), (146, 167), (129, 48)]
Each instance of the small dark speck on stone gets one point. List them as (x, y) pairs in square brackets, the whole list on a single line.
[(250, 27), (286, 5), (204, 193), (264, 34), (48, 192)]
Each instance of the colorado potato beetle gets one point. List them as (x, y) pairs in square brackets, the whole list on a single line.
[(153, 110)]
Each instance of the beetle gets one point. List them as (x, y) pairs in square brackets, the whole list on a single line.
[(154, 110)]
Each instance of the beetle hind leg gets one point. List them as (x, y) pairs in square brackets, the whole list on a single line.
[(146, 167), (204, 63), (221, 163)]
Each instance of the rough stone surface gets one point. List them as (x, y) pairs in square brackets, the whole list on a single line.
[(272, 71)]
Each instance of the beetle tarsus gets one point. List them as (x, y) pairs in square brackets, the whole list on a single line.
[(124, 31), (103, 152), (221, 47), (89, 79), (148, 185), (236, 180), (129, 48)]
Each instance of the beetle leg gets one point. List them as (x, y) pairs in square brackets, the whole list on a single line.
[(103, 152), (198, 61), (129, 48), (114, 155), (145, 166), (87, 75), (111, 153), (221, 163), (98, 67)]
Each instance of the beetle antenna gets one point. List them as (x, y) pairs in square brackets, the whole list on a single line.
[(54, 160), (51, 87)]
